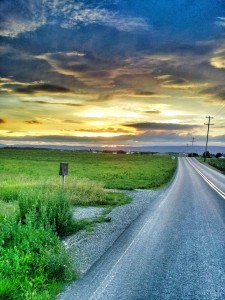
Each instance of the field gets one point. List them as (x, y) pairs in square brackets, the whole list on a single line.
[(36, 211), (114, 171)]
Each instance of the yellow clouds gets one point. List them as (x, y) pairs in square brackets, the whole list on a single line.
[(183, 85), (218, 59)]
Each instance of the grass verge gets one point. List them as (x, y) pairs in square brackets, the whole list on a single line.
[(217, 163)]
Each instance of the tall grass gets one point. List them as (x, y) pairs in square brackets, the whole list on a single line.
[(50, 209), (33, 262)]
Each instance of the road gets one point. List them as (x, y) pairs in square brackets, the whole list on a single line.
[(174, 250)]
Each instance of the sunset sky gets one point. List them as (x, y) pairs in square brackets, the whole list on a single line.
[(112, 72)]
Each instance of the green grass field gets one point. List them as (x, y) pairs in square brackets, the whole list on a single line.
[(113, 171), (36, 212)]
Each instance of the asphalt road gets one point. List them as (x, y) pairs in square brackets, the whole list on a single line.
[(174, 250)]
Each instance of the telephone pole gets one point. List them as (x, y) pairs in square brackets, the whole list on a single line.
[(192, 143), (207, 137)]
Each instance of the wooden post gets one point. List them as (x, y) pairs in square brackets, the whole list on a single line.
[(63, 171)]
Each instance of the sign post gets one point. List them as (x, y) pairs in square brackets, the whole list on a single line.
[(63, 171)]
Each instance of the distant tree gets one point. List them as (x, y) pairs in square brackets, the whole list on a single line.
[(193, 154), (218, 155), (206, 154), (121, 152)]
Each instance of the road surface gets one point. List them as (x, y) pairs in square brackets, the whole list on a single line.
[(174, 250)]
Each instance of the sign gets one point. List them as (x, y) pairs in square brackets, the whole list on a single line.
[(63, 170)]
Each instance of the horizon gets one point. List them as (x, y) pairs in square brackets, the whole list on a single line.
[(112, 73), (147, 149)]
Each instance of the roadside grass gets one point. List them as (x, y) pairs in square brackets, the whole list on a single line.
[(217, 163), (33, 262), (36, 211)]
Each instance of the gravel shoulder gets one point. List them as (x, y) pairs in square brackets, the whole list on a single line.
[(86, 248)]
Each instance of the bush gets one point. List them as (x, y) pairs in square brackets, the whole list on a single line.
[(31, 261)]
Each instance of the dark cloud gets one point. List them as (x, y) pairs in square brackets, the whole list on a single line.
[(2, 121), (142, 93), (216, 90), (47, 88), (33, 122), (72, 122), (161, 126), (126, 139), (52, 103), (71, 104), (152, 111)]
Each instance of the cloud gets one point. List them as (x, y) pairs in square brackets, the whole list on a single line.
[(42, 88), (52, 103), (152, 111), (220, 21), (72, 122), (216, 91), (147, 138), (8, 85), (22, 16), (2, 121), (35, 122), (218, 60), (137, 74), (162, 77), (144, 94), (182, 84), (161, 126)]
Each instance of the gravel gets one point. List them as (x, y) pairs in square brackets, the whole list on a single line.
[(87, 212), (86, 248)]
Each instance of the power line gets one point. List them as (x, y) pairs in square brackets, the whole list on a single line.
[(207, 137), (220, 109)]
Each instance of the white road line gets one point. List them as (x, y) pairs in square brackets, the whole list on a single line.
[(221, 193)]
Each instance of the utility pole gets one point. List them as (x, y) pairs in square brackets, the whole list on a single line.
[(207, 137), (192, 143), (187, 149)]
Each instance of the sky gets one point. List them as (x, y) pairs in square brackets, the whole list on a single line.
[(112, 72)]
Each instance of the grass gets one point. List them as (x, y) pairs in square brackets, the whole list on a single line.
[(36, 211), (33, 262), (217, 163), (113, 171)]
